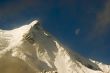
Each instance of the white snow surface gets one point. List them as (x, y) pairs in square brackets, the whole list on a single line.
[(40, 52)]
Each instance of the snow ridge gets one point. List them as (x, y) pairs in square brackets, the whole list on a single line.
[(40, 52)]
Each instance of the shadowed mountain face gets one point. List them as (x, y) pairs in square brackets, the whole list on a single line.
[(14, 65), (30, 49)]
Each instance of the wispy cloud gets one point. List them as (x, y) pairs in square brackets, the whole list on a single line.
[(102, 21), (77, 31), (15, 7)]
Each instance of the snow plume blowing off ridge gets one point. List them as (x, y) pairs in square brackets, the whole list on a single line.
[(30, 49)]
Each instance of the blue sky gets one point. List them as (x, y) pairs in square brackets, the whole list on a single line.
[(82, 25)]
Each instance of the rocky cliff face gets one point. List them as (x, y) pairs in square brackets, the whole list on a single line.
[(30, 49)]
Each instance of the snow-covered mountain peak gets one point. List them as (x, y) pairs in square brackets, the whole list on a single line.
[(31, 47), (33, 23)]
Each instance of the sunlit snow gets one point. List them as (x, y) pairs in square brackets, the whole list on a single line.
[(30, 49)]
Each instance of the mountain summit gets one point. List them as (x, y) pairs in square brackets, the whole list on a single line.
[(30, 49)]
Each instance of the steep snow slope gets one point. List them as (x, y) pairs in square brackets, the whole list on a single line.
[(30, 49)]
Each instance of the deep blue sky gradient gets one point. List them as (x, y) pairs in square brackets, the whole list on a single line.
[(82, 25)]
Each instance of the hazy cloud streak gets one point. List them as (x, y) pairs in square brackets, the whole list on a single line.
[(102, 21), (77, 31)]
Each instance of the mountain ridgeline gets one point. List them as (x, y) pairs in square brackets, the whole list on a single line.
[(31, 49)]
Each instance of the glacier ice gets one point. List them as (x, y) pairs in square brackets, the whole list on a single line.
[(30, 49)]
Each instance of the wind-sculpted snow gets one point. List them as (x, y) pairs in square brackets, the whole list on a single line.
[(30, 49)]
